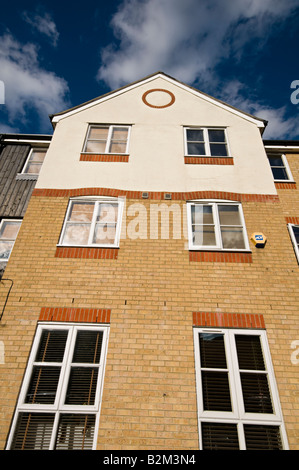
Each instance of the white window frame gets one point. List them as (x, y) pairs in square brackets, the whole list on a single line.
[(34, 149), (96, 201), (110, 128), (9, 239), (59, 407), (238, 415), (286, 167), (219, 245), (293, 238), (206, 142)]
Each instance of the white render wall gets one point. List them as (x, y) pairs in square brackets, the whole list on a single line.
[(156, 161)]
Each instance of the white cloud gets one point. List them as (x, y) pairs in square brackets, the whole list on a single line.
[(28, 87), (279, 125), (44, 24), (186, 39)]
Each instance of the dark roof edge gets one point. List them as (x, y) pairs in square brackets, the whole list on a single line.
[(29, 137), (282, 143)]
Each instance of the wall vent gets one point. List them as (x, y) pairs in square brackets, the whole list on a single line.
[(145, 195), (167, 196)]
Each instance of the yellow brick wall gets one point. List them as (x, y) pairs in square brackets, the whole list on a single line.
[(149, 398)]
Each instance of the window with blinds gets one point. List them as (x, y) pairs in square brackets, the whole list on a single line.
[(238, 403), (60, 397)]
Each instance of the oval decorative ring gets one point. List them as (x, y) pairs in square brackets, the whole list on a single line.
[(158, 98)]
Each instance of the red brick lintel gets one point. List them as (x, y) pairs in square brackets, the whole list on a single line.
[(228, 320), (220, 257), (182, 196), (208, 160), (285, 185), (82, 315), (86, 253), (92, 157), (292, 220)]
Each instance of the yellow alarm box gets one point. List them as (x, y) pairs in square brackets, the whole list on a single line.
[(258, 239)]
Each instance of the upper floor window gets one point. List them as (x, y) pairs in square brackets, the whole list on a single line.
[(34, 162), (107, 139), (238, 403), (294, 233), (92, 223), (60, 398), (9, 229), (280, 168), (203, 141), (216, 226)]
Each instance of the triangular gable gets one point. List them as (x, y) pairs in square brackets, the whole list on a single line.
[(258, 121)]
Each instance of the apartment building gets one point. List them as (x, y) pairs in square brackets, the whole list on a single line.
[(155, 281)]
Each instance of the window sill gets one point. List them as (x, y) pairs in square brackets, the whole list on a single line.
[(104, 157), (220, 256), (194, 160), (26, 176), (86, 252)]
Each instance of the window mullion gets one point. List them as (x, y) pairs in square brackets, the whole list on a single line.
[(109, 139), (93, 223), (217, 226), (206, 141)]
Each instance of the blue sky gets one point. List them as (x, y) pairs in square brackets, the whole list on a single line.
[(55, 55)]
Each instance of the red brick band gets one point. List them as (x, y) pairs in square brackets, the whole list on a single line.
[(82, 315), (182, 196), (92, 157), (209, 160), (87, 253), (228, 320), (220, 257), (292, 220), (285, 185)]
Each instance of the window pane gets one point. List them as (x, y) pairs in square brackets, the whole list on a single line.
[(232, 237), (229, 215), (262, 437), (196, 149), (98, 133), (218, 150), (212, 350), (256, 393), (249, 351), (33, 168), (82, 386), (296, 233), (43, 385), (52, 346), (119, 134), (117, 147), (280, 174), (216, 135), (195, 135), (204, 235), (88, 347), (95, 147), (76, 234), (81, 212), (33, 431), (275, 161), (107, 213), (75, 432), (219, 436), (216, 392), (9, 230), (5, 249), (37, 156), (201, 214), (104, 234)]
